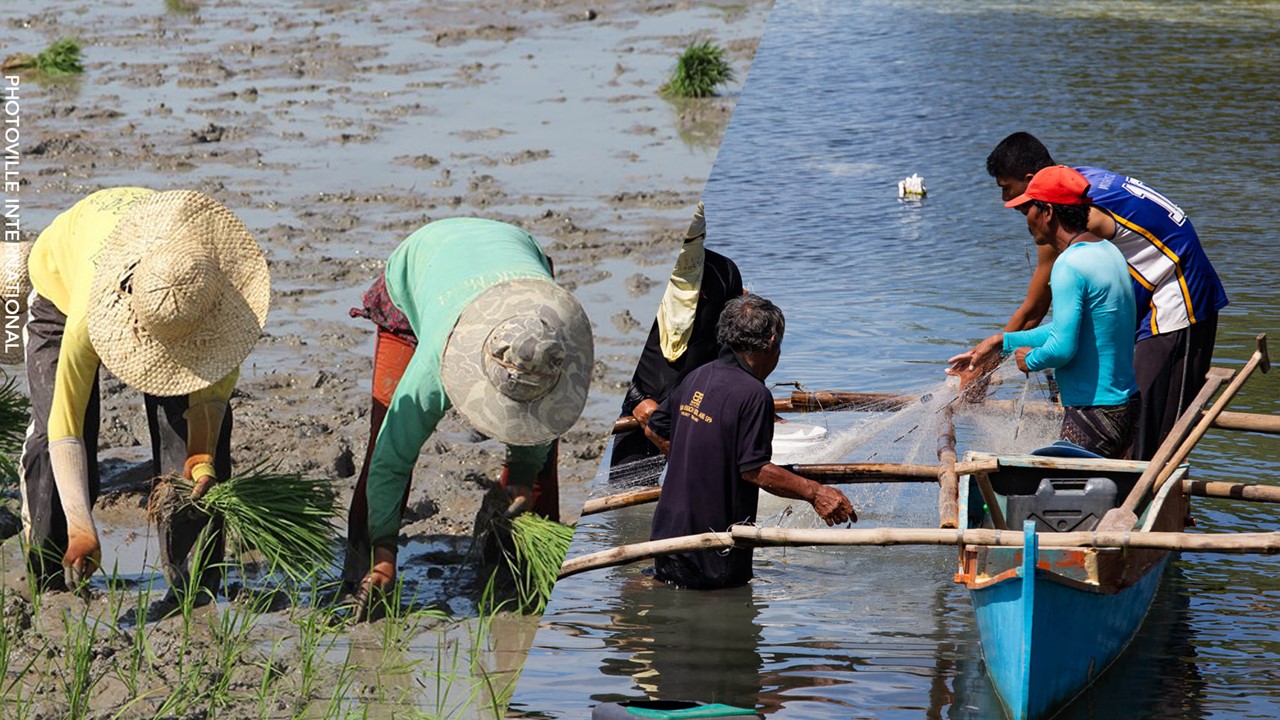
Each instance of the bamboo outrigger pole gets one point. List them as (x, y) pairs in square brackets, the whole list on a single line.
[(746, 536), (827, 474), (948, 479), (826, 400)]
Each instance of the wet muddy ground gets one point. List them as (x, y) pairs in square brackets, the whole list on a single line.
[(334, 130)]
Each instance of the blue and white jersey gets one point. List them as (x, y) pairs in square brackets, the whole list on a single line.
[(1174, 283)]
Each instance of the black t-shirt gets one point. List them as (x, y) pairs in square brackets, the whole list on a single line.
[(655, 377), (720, 424)]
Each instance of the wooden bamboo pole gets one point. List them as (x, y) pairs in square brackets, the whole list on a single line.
[(1263, 542), (1258, 359), (744, 536), (1251, 422), (831, 400), (645, 550), (621, 500), (1232, 491), (948, 480), (827, 474), (1125, 516)]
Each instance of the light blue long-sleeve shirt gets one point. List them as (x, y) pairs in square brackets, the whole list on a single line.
[(1090, 341)]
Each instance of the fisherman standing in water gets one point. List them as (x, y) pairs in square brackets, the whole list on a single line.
[(716, 429)]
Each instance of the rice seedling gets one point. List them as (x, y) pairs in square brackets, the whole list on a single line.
[(287, 518), (139, 652), (702, 68), (11, 690), (15, 413), (267, 692), (60, 58), (536, 550), (316, 637), (78, 675), (233, 634), (340, 692)]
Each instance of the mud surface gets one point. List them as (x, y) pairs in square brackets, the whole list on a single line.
[(334, 130)]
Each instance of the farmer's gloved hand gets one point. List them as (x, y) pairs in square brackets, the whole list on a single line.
[(698, 227), (199, 469), (82, 560), (377, 585), (71, 476)]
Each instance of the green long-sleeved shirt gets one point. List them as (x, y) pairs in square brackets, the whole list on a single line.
[(431, 277)]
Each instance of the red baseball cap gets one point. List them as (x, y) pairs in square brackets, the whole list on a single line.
[(1059, 185)]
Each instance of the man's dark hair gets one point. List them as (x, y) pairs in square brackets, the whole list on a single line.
[(1017, 156), (1072, 218), (749, 322)]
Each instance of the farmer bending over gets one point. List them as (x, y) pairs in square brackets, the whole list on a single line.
[(1090, 340), (716, 429), (468, 316), (169, 291)]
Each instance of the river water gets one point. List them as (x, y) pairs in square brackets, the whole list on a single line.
[(846, 98)]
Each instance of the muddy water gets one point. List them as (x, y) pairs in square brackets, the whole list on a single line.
[(335, 130), (845, 99)]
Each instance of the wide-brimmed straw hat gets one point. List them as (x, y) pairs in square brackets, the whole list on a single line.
[(179, 295), (15, 290), (518, 362)]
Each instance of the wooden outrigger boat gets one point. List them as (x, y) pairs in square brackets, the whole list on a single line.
[(1051, 620), (1062, 555)]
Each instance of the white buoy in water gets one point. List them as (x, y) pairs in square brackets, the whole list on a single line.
[(912, 188)]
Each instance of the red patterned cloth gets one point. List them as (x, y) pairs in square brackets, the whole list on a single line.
[(382, 312)]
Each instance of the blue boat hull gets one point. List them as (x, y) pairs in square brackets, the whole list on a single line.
[(1051, 620), (1042, 651)]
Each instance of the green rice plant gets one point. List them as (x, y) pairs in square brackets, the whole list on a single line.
[(60, 58), (10, 643), (702, 68), (233, 633), (534, 555), (267, 692), (340, 693), (15, 414), (139, 651), (286, 517), (317, 627), (78, 678)]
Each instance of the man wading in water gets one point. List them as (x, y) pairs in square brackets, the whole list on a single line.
[(716, 429)]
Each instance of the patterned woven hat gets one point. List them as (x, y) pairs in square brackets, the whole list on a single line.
[(518, 362), (15, 291), (180, 294)]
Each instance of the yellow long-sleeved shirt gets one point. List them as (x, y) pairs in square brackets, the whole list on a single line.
[(62, 263)]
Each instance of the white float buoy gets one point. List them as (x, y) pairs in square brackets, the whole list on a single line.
[(912, 187)]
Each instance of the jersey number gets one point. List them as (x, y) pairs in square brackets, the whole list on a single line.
[(1139, 190)]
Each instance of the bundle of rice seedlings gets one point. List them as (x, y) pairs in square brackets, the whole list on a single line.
[(699, 71), (60, 58), (537, 549), (15, 414), (286, 517)]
